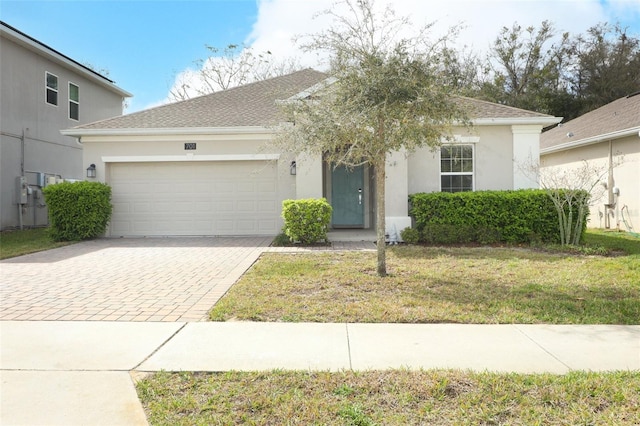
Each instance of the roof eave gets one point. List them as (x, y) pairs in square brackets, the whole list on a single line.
[(510, 121), (80, 132), (592, 140)]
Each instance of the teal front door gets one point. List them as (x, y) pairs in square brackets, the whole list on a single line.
[(347, 197)]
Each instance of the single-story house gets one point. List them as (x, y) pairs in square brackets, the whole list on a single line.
[(203, 166), (608, 140)]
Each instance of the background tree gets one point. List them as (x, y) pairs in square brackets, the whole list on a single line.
[(559, 74), (231, 66), (386, 95), (527, 68), (607, 65)]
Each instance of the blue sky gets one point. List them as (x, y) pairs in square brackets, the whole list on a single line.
[(145, 44), (142, 44)]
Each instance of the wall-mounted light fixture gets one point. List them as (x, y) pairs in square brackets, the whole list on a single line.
[(91, 171), (292, 168)]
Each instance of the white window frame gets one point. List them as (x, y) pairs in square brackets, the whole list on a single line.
[(73, 101), (47, 88), (473, 165)]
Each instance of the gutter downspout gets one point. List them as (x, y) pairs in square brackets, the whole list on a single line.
[(610, 183), (21, 174)]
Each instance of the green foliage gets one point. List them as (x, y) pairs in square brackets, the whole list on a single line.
[(486, 217), (306, 220), (281, 240), (79, 210), (410, 235), (544, 70), (384, 94)]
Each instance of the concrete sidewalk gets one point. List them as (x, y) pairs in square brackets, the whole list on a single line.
[(80, 372)]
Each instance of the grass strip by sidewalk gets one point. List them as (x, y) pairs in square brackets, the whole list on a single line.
[(396, 397), (18, 243), (432, 285)]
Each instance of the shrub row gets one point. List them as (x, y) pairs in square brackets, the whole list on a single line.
[(485, 217), (306, 220), (78, 210)]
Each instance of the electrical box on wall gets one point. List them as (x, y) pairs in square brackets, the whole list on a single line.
[(22, 190), (40, 178)]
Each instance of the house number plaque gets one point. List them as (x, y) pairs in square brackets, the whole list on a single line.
[(189, 146)]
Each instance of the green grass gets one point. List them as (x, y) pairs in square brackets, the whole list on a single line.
[(622, 242), (18, 243), (484, 285), (396, 397), (434, 285)]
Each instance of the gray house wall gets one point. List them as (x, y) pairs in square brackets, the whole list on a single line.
[(31, 143)]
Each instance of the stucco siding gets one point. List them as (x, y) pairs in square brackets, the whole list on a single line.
[(26, 118), (626, 173), (493, 165)]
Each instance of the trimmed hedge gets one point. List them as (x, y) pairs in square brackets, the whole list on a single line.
[(78, 210), (306, 220), (486, 217)]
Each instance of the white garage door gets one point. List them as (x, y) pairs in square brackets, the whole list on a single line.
[(194, 198)]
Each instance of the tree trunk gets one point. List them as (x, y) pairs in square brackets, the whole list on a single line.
[(380, 216)]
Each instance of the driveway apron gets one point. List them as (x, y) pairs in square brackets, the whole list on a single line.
[(146, 279)]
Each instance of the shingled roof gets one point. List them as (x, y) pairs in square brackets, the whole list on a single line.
[(617, 118), (479, 109), (255, 104)]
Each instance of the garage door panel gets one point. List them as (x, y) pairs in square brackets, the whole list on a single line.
[(141, 207), (194, 198), (267, 207), (225, 187)]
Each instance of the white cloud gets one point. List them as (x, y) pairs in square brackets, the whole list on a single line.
[(279, 21)]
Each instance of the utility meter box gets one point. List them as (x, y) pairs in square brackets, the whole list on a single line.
[(40, 178), (22, 190)]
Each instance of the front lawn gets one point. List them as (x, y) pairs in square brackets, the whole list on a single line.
[(396, 397), (18, 243), (465, 285), (483, 285)]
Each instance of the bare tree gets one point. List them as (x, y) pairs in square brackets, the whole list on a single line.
[(572, 192), (234, 65)]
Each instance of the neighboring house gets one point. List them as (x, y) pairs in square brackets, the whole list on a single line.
[(607, 139), (42, 92), (203, 166)]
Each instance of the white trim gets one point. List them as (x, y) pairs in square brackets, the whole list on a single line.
[(589, 141), (473, 163), (79, 132), (458, 139), (188, 157), (543, 121)]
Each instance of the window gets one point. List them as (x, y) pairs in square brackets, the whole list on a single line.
[(74, 101), (456, 168), (52, 88)]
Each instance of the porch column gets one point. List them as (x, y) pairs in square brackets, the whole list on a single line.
[(397, 194), (526, 156), (309, 176)]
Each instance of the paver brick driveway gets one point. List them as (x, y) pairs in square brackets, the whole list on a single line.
[(151, 279)]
